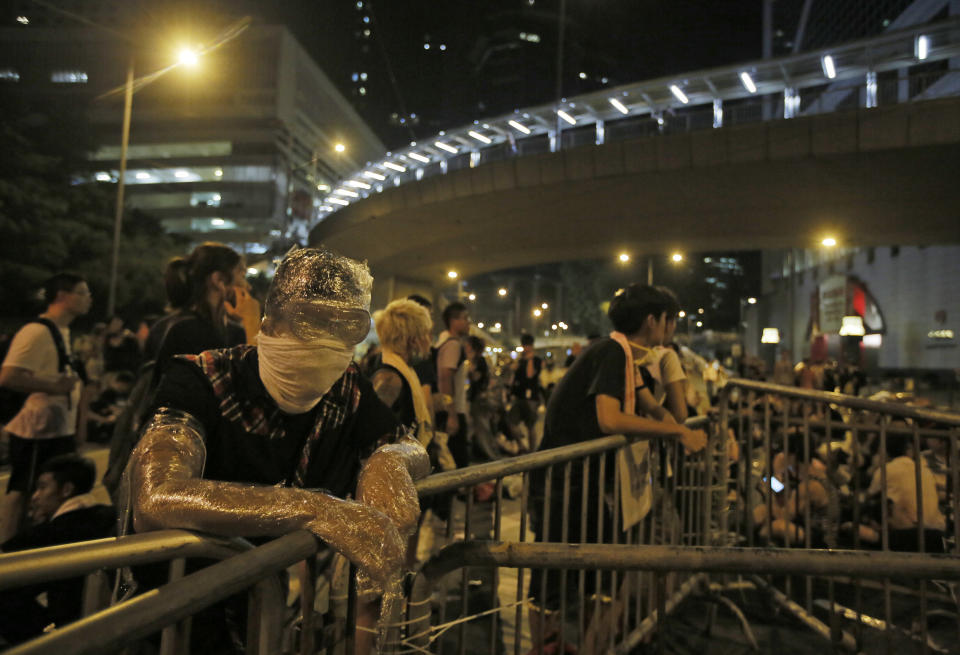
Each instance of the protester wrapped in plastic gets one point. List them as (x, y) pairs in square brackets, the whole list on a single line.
[(318, 304)]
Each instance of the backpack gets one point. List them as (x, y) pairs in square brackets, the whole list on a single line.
[(12, 401), (126, 430)]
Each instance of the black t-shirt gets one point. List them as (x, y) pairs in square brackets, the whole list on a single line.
[(572, 410), (527, 387), (188, 333), (249, 439)]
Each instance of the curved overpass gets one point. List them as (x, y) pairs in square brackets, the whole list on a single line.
[(869, 176)]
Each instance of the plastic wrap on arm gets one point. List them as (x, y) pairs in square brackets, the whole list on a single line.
[(386, 482), (168, 492), (317, 293)]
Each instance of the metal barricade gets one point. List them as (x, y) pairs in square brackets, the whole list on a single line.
[(826, 470)]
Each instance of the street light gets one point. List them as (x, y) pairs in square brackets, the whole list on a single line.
[(453, 275), (537, 312), (624, 258), (472, 296), (502, 292), (189, 57), (544, 306), (829, 242), (751, 300), (340, 147), (677, 257)]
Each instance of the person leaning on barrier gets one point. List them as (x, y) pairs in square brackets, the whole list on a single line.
[(599, 395), (243, 440)]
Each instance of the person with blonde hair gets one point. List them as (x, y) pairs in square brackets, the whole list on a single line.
[(403, 328)]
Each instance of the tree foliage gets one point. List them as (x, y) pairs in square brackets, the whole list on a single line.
[(50, 223)]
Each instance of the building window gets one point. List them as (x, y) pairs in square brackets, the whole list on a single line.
[(9, 75), (68, 77)]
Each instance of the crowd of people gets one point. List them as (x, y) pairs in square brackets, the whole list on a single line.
[(227, 419)]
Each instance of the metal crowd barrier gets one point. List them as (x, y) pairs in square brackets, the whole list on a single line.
[(701, 530), (836, 445)]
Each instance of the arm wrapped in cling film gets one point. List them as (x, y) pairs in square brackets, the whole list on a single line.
[(169, 492), (386, 482)]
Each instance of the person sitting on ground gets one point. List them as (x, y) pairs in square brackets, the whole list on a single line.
[(260, 441), (107, 407), (62, 511), (902, 497)]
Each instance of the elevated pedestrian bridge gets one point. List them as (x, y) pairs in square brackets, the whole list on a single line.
[(861, 141)]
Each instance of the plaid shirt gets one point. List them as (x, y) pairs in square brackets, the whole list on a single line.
[(243, 402)]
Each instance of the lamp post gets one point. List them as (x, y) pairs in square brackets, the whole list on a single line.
[(187, 58)]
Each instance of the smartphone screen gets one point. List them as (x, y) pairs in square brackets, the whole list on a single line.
[(775, 484)]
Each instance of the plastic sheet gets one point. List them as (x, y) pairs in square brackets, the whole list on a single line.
[(317, 294), (168, 492), (386, 483)]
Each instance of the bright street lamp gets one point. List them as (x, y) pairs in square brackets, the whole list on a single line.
[(501, 292), (537, 312), (544, 306), (624, 257), (677, 257), (189, 57), (472, 296), (829, 242), (340, 147), (453, 275), (751, 300)]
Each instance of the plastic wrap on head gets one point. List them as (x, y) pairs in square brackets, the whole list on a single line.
[(318, 293), (169, 492)]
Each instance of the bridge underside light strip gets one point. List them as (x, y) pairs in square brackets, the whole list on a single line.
[(678, 94), (519, 127), (338, 201), (479, 137), (347, 192), (395, 167), (619, 106), (419, 157), (446, 146), (374, 176), (567, 117), (356, 184), (748, 82), (828, 67)]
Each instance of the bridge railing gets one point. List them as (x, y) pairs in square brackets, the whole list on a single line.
[(900, 66)]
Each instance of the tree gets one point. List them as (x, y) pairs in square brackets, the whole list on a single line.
[(52, 222)]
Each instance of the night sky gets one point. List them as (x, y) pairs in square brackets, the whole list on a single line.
[(485, 67)]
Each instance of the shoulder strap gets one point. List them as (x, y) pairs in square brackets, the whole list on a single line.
[(57, 335)]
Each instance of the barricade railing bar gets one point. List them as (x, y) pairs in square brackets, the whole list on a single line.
[(699, 521)]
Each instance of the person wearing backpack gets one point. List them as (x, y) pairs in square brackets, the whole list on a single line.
[(38, 364)]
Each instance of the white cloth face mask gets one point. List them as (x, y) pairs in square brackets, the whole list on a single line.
[(296, 373)]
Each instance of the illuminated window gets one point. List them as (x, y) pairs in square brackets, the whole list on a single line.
[(68, 77), (9, 75)]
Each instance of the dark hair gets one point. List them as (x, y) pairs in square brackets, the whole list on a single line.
[(631, 306), (420, 300), (526, 339), (186, 277), (898, 445), (126, 377), (73, 468), (673, 308), (476, 343), (60, 282), (451, 311)]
